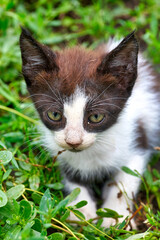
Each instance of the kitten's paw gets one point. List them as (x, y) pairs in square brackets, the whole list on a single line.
[(88, 212), (120, 206), (107, 222)]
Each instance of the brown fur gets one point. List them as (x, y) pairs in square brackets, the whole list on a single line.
[(77, 67)]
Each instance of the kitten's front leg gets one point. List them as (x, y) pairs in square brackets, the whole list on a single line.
[(127, 185), (88, 210)]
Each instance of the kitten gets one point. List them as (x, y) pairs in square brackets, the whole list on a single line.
[(103, 108)]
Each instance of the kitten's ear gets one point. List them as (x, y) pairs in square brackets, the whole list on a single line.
[(35, 56), (121, 62)]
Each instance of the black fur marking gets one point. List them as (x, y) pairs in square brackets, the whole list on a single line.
[(35, 56), (121, 62), (93, 185), (142, 139)]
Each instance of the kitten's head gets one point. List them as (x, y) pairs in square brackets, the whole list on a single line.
[(78, 93)]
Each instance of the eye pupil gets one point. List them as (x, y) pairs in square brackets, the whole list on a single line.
[(54, 116), (95, 118)]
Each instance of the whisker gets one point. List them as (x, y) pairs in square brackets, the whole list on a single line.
[(47, 104), (50, 106), (32, 135), (114, 98), (26, 148), (46, 153), (28, 141), (61, 99), (94, 99), (24, 108), (38, 94), (51, 88), (34, 148), (106, 104), (103, 140)]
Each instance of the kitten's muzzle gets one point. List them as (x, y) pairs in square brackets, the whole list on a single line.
[(73, 139)]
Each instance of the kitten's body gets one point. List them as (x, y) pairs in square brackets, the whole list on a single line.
[(80, 83)]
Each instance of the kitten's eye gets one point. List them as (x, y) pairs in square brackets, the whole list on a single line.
[(96, 118), (54, 116)]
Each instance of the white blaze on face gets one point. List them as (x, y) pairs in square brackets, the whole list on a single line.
[(74, 113), (74, 135)]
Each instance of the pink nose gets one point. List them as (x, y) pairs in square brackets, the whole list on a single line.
[(73, 144)]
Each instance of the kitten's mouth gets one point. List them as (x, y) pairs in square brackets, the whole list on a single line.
[(75, 150)]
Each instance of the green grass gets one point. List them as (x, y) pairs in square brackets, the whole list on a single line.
[(32, 205)]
